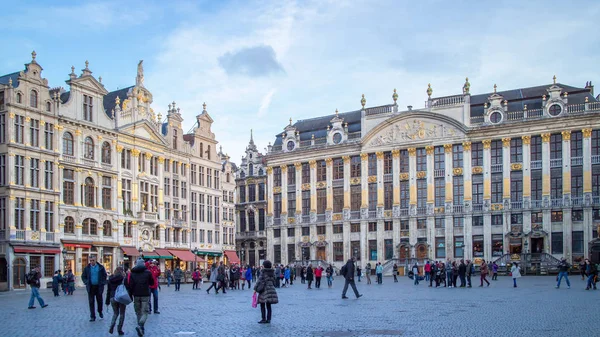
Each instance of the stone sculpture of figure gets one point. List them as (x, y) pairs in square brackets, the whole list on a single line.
[(140, 73)]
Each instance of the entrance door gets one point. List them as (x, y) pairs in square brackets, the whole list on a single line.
[(537, 245), (515, 245), (306, 253), (3, 274), (19, 271), (252, 258), (321, 254)]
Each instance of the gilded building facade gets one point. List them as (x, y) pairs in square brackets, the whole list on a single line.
[(101, 173), (507, 174)]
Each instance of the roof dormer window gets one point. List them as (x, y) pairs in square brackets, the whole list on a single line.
[(87, 108), (33, 99)]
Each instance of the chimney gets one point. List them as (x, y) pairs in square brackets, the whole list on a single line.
[(590, 87), (409, 108)]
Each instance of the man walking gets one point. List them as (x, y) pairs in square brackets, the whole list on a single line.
[(427, 269), (379, 272), (33, 279), (415, 270), (347, 272), (94, 278), (138, 283), (177, 274), (153, 268), (563, 268), (432, 274), (462, 270), (470, 271)]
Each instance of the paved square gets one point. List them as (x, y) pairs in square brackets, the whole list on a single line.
[(391, 309)]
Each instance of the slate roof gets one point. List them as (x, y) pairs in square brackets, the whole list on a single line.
[(64, 97), (163, 128), (109, 99), (318, 125), (5, 79)]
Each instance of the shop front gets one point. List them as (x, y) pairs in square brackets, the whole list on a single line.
[(185, 259), (230, 257), (130, 254), (209, 257), (27, 257)]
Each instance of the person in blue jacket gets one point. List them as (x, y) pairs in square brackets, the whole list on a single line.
[(249, 273), (286, 275)]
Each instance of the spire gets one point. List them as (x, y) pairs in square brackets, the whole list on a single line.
[(251, 137), (554, 79), (251, 145), (33, 56)]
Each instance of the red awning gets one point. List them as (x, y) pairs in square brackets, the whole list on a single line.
[(232, 256), (130, 251), (37, 250), (185, 255), (162, 252), (77, 245)]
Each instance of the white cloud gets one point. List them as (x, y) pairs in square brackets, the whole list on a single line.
[(265, 103)]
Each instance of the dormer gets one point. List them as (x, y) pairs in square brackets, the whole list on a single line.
[(174, 133), (554, 105), (290, 137), (338, 132), (494, 112)]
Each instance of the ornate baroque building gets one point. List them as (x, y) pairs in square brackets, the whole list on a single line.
[(99, 172), (508, 174), (251, 208)]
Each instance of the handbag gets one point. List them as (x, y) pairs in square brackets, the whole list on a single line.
[(254, 300), (121, 293)]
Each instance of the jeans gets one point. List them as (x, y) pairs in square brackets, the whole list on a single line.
[(469, 280), (249, 283), (177, 284), (416, 277), (140, 305), (168, 281), (95, 293), (213, 285), (449, 279), (380, 278), (427, 276), (352, 284), (358, 275), (154, 293), (265, 307), (560, 277), (329, 281), (483, 278), (35, 293), (590, 281), (195, 285), (514, 282), (462, 280), (317, 282), (395, 278), (118, 311)]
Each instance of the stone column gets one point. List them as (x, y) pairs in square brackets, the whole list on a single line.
[(547, 222), (329, 168), (468, 204), (587, 166), (487, 182), (566, 180), (269, 192), (284, 206), (396, 183)]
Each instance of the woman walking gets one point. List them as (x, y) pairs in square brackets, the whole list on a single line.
[(515, 271), (368, 272), (329, 273), (115, 280), (196, 277), (394, 272), (214, 275), (309, 275), (454, 274), (484, 271), (249, 275), (267, 295)]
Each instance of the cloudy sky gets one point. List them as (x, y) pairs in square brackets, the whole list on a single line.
[(256, 64)]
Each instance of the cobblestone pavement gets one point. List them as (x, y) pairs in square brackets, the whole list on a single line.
[(391, 309)]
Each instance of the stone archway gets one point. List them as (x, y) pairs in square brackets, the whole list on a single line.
[(421, 252), (19, 272)]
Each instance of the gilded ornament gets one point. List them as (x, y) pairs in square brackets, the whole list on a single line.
[(119, 148), (78, 132), (477, 170), (429, 90), (506, 142), (545, 137), (306, 187), (487, 143), (161, 160), (379, 155), (135, 152), (587, 133), (466, 146), (99, 137), (346, 159), (337, 217), (321, 184), (298, 165), (412, 151), (355, 181), (566, 135), (329, 161), (364, 156), (283, 169), (269, 170), (421, 174), (448, 148), (313, 164), (403, 176), (396, 153), (372, 179), (429, 149), (395, 96), (516, 166), (363, 101), (277, 189), (457, 171), (526, 140)]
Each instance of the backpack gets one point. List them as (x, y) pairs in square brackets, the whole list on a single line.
[(30, 278), (343, 270)]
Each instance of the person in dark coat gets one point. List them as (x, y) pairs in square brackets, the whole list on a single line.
[(267, 295), (94, 278), (462, 271), (309, 275), (56, 280), (348, 273), (138, 283), (115, 280)]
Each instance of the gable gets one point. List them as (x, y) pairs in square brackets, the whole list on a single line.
[(144, 130), (89, 83)]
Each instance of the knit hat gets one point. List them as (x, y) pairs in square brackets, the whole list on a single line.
[(140, 263), (267, 264)]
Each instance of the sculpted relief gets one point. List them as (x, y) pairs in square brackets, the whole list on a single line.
[(413, 130)]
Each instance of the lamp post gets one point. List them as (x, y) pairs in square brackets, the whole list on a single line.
[(526, 256), (195, 251), (64, 253)]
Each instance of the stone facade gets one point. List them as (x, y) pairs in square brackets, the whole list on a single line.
[(491, 176), (101, 173)]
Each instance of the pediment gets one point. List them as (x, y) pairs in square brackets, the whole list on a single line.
[(90, 83), (144, 130), (409, 128)]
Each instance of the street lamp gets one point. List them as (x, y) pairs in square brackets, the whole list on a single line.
[(195, 251), (64, 253)]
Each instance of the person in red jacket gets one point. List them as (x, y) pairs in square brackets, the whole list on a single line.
[(318, 274), (155, 271)]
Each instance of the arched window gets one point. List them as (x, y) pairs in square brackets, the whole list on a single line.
[(19, 98), (89, 192), (33, 99), (260, 172), (175, 139), (106, 153), (48, 106), (69, 225), (93, 225), (89, 148), (107, 228), (68, 144), (228, 177), (201, 150)]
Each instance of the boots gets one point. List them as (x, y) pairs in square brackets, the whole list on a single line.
[(112, 329)]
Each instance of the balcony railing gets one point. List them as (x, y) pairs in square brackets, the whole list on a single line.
[(596, 159), (477, 207), (388, 178), (276, 221), (355, 215), (372, 214), (557, 202), (438, 173), (458, 208), (306, 219), (477, 120), (577, 201), (515, 116), (576, 161), (69, 159), (20, 234), (445, 101), (516, 204), (404, 212), (537, 203), (421, 210), (556, 162), (379, 110), (496, 168), (536, 164), (320, 217), (49, 237)]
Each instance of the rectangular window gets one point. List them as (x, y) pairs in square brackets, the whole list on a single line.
[(536, 185), (106, 192), (338, 229), (291, 175), (477, 221), (459, 244), (68, 186), (34, 215), (355, 227), (48, 175), (577, 215), (305, 202), (305, 231), (19, 170), (261, 191), (338, 251), (209, 178), (421, 159), (372, 162), (440, 248), (209, 237), (537, 217), (291, 204), (388, 226), (478, 246), (167, 186), (404, 225), (34, 172), (477, 189), (242, 221), (291, 232), (388, 195), (457, 155), (252, 192), (439, 158), (476, 154), (34, 132), (183, 190), (355, 170), (516, 150), (497, 188), (126, 159), (305, 173), (404, 194), (355, 198), (387, 163), (2, 120), (516, 219), (404, 161), (242, 190), (338, 199), (321, 170), (126, 193), (440, 223), (261, 219), (556, 184), (277, 253), (373, 250), (87, 108), (516, 186), (421, 193), (321, 201), (577, 242), (535, 148), (49, 136), (388, 247), (3, 170), (277, 205), (20, 213), (497, 245), (355, 249), (338, 169), (556, 146), (372, 197), (421, 223), (496, 152), (459, 221), (440, 192), (372, 226), (458, 190), (19, 129), (497, 220), (577, 182), (291, 252), (276, 176), (557, 242), (194, 206)]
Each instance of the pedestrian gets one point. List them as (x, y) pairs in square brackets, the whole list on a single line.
[(115, 280), (432, 273), (177, 275), (515, 271), (70, 282), (592, 272), (221, 278), (155, 271), (427, 269), (267, 295), (415, 270), (470, 271), (494, 271), (348, 271), (243, 276), (309, 275), (94, 278), (358, 272), (169, 276), (454, 273), (249, 276), (395, 272), (138, 282), (441, 275), (282, 275), (56, 280), (462, 271), (449, 273), (582, 269), (329, 274), (213, 278), (563, 271), (233, 277), (368, 272), (303, 275), (484, 271), (277, 275), (318, 275), (292, 275), (287, 275), (33, 279), (379, 272), (196, 277)]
